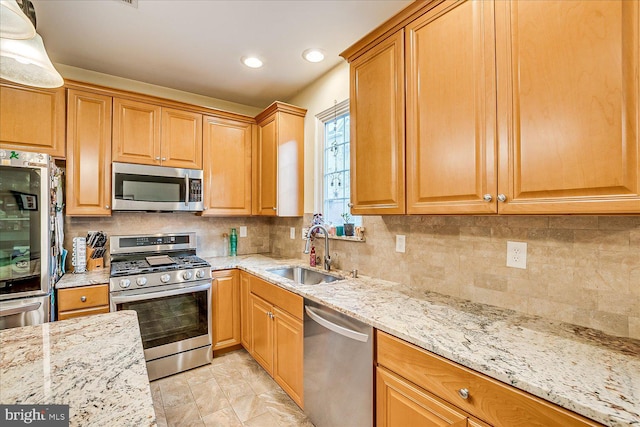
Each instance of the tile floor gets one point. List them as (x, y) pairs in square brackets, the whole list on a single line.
[(233, 391)]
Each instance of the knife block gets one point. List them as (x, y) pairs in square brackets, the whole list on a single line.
[(94, 264)]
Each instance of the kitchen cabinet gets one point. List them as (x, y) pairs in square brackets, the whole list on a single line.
[(225, 304), (245, 311), (533, 109), (32, 119), (83, 301), (451, 145), (88, 173), (568, 106), (377, 129), (149, 134), (278, 161), (414, 384), (277, 335), (227, 166)]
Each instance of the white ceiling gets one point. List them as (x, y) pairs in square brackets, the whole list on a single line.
[(196, 46)]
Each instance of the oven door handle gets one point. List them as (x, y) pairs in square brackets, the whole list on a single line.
[(119, 299), (187, 190), (20, 309)]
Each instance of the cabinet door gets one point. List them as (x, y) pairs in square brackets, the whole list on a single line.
[(262, 332), (227, 166), (377, 129), (290, 161), (288, 349), (451, 146), (245, 311), (266, 168), (32, 119), (181, 145), (225, 318), (136, 132), (400, 403), (568, 106), (88, 177)]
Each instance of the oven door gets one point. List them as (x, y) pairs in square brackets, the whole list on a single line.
[(171, 321)]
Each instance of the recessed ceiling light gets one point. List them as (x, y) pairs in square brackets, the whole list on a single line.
[(313, 55), (251, 62)]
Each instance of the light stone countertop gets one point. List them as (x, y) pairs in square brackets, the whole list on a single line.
[(93, 364), (580, 369), (72, 280)]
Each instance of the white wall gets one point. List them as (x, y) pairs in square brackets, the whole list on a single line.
[(87, 76), (317, 97)]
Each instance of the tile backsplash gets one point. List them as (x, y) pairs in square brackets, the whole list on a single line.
[(580, 269)]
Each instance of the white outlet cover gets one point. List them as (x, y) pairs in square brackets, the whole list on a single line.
[(517, 255), (243, 231), (292, 232), (400, 243)]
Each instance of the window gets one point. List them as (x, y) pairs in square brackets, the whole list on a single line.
[(335, 164)]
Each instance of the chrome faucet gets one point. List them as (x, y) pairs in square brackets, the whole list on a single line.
[(327, 258)]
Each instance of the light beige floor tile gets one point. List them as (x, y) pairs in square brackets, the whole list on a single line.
[(248, 406), (175, 393), (209, 397), (183, 415), (223, 418), (235, 389), (198, 375), (264, 420), (261, 382), (282, 408)]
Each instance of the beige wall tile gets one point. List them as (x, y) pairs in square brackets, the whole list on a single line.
[(634, 327)]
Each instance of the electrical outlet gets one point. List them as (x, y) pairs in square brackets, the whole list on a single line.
[(243, 231), (400, 242), (517, 255), (292, 232)]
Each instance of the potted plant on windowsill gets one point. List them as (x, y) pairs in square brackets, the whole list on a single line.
[(348, 226)]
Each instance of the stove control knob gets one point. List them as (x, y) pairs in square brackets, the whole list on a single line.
[(187, 275), (165, 278), (200, 274), (125, 283), (141, 281)]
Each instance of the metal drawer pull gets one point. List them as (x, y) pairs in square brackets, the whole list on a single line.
[(502, 198), (487, 197), (83, 298), (464, 393)]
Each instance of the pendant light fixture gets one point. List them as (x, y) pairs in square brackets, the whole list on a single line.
[(26, 61), (14, 24)]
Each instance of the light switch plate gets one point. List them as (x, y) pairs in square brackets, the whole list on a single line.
[(400, 242), (292, 232), (517, 254), (243, 231)]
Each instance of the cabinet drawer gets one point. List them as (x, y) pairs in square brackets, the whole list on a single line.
[(83, 297), (63, 315), (282, 298), (489, 400)]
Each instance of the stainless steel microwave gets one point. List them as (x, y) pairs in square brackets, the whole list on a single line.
[(155, 188)]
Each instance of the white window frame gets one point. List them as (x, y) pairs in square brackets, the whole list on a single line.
[(338, 109)]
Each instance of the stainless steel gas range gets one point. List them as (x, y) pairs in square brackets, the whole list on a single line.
[(161, 278)]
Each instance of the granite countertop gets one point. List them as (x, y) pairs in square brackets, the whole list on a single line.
[(580, 369), (93, 364), (72, 280)]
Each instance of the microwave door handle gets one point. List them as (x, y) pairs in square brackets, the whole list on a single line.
[(187, 189)]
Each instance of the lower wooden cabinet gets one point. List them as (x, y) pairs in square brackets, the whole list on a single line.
[(83, 301), (277, 335), (436, 388), (225, 309)]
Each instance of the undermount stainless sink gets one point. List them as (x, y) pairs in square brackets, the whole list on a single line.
[(304, 276)]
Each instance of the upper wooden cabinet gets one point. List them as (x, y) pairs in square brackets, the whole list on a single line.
[(88, 174), (32, 119), (568, 106), (532, 110), (377, 129), (451, 145), (149, 134), (278, 161), (227, 166)]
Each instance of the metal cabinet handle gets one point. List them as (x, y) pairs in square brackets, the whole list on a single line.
[(464, 393), (83, 298), (107, 207), (350, 205), (275, 209), (164, 158), (158, 158), (502, 198), (487, 197)]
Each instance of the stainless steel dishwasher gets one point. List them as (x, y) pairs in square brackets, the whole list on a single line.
[(338, 368)]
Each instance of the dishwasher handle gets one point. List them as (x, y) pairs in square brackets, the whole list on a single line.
[(354, 335)]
